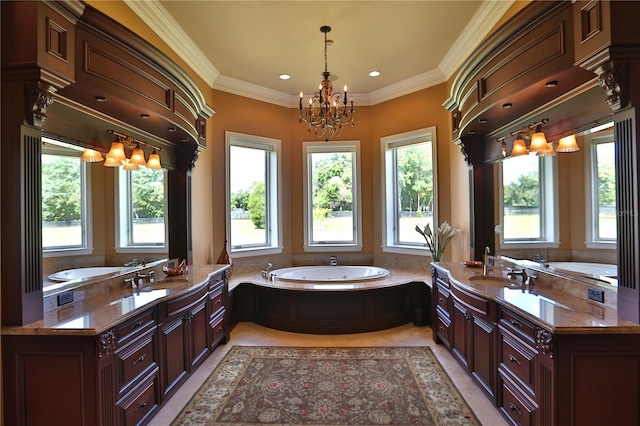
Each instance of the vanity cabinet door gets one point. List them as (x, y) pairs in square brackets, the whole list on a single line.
[(474, 338), (183, 338)]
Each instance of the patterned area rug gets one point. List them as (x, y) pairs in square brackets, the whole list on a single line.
[(327, 386)]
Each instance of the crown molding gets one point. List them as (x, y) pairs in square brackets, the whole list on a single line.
[(405, 87), (163, 24), (254, 91), (482, 22)]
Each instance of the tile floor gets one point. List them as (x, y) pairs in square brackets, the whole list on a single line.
[(247, 334)]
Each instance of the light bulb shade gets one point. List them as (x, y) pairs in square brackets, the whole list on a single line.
[(538, 142), (117, 153), (128, 165), (91, 156), (546, 151), (519, 148), (112, 162), (568, 144), (154, 161), (137, 157)]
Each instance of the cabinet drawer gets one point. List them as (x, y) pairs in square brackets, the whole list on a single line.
[(516, 407), (443, 298), (184, 303), (518, 325), (217, 301), (135, 359), (137, 325), (442, 278), (443, 326), (138, 406), (216, 282), (217, 328), (478, 305), (519, 360)]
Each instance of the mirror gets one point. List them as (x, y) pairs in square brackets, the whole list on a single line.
[(98, 218), (585, 216)]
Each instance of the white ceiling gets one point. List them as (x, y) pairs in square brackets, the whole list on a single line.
[(243, 46)]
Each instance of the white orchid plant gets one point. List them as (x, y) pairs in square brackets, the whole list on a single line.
[(438, 240)]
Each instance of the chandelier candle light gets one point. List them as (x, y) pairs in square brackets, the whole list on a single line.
[(437, 240), (328, 112)]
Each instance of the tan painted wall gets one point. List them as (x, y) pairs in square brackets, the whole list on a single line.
[(414, 111)]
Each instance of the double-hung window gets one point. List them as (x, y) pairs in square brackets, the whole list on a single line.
[(66, 218), (253, 219), (141, 211), (528, 198), (332, 196), (600, 190), (409, 177)]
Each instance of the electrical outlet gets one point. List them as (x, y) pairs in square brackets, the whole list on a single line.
[(595, 294), (65, 298)]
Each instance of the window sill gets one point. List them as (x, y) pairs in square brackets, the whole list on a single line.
[(332, 248), (601, 245), (532, 244), (406, 250), (255, 252)]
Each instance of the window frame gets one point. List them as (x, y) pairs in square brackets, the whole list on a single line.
[(390, 219), (590, 141), (548, 172), (308, 148), (123, 225), (273, 147), (86, 211)]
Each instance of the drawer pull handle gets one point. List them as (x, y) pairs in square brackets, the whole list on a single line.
[(516, 323), (219, 329), (440, 300), (141, 406), (218, 302), (140, 359), (514, 408), (514, 359), (136, 325)]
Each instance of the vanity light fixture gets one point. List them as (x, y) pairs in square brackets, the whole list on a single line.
[(117, 157), (538, 141), (568, 144), (91, 156), (519, 147)]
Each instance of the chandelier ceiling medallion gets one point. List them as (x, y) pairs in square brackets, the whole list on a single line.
[(328, 112)]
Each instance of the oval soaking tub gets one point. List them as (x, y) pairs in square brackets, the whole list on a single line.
[(330, 273), (85, 273)]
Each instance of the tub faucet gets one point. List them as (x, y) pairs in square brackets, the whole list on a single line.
[(265, 273), (333, 261)]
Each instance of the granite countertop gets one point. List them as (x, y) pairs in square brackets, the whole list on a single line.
[(94, 315), (395, 277), (551, 309)]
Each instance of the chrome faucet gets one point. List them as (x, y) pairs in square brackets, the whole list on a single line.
[(131, 281), (265, 273), (333, 261), (485, 266), (141, 277), (526, 279)]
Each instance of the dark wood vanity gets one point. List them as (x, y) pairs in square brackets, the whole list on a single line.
[(118, 362), (542, 358)]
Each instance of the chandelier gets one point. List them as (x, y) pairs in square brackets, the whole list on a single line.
[(328, 112)]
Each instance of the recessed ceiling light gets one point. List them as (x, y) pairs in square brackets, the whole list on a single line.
[(551, 83), (284, 76), (507, 105), (483, 121), (101, 99), (374, 73)]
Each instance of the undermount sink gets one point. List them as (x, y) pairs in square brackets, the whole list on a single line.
[(490, 281)]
